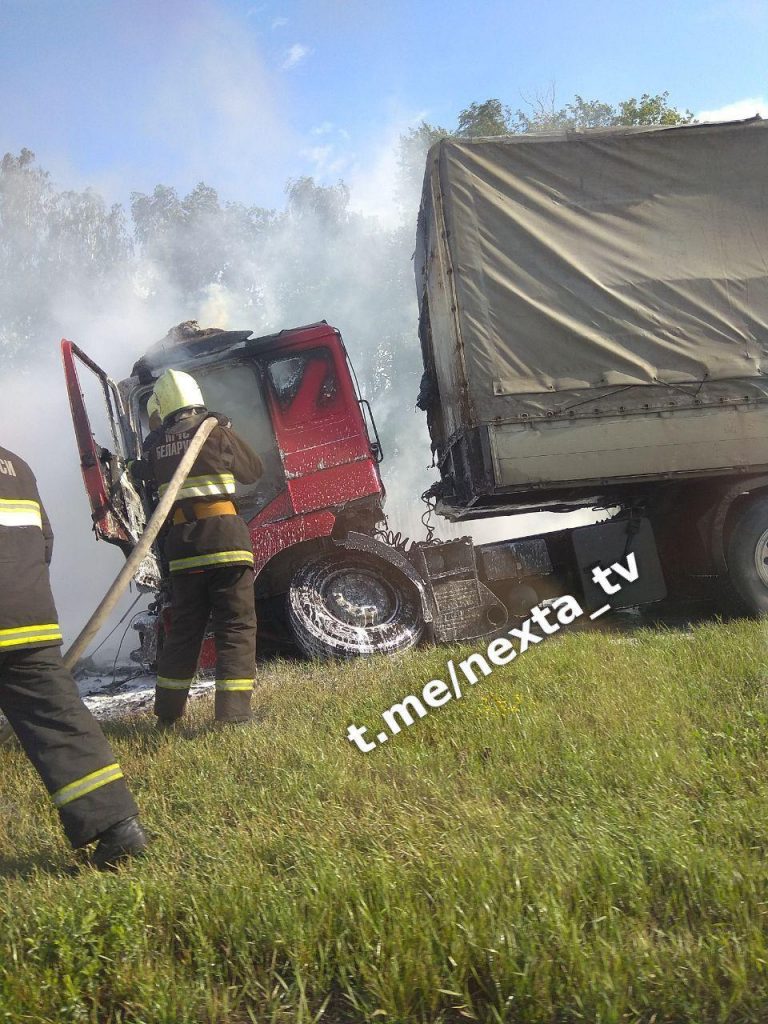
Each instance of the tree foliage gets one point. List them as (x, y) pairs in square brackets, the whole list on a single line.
[(195, 239), (325, 205), (51, 243), (414, 145), (493, 118), (580, 115), (479, 119), (651, 110), (315, 258)]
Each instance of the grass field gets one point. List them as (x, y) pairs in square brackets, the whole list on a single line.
[(584, 837)]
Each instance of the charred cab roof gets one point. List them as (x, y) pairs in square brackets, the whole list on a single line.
[(189, 343)]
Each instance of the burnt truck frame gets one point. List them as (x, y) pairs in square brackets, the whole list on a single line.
[(325, 577)]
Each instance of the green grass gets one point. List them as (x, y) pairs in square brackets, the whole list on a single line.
[(582, 838)]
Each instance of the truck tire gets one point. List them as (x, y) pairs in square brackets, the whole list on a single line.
[(747, 557), (344, 604)]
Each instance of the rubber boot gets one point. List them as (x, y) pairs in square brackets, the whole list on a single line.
[(170, 704), (232, 707), (117, 843), (167, 724)]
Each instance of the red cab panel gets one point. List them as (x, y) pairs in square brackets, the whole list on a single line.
[(321, 433), (117, 515)]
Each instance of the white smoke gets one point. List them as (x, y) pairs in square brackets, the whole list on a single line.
[(36, 423), (217, 115), (357, 274)]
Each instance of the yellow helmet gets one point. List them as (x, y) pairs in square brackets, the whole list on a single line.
[(153, 412), (176, 390)]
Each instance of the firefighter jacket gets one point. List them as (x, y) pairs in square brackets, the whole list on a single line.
[(27, 611), (204, 542)]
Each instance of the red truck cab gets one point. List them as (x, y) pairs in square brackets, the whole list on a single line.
[(320, 571)]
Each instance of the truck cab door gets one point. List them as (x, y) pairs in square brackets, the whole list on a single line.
[(117, 507)]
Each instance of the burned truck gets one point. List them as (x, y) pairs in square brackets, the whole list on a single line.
[(594, 331), (326, 579)]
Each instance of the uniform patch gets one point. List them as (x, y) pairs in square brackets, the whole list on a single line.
[(164, 451)]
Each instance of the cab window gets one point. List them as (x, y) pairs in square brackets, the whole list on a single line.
[(235, 390)]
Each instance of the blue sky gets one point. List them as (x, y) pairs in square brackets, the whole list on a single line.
[(123, 94)]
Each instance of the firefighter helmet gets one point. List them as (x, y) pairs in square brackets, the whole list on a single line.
[(176, 390), (153, 412)]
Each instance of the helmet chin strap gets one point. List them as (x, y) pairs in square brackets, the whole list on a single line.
[(179, 414)]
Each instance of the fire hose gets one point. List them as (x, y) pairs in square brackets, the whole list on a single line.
[(147, 538)]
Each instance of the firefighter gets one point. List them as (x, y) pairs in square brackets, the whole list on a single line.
[(209, 553), (38, 695)]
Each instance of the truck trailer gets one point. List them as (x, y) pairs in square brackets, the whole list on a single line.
[(593, 321), (594, 331)]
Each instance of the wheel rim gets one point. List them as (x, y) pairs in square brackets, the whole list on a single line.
[(359, 597), (761, 557)]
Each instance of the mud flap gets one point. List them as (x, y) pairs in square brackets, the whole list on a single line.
[(607, 543)]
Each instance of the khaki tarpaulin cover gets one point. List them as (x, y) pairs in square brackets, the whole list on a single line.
[(583, 260)]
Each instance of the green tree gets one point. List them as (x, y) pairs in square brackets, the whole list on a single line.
[(155, 215), (196, 241), (651, 110), (414, 146), (581, 114), (492, 117), (326, 205), (53, 244), (481, 119)]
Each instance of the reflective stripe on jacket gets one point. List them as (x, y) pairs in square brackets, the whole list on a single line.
[(209, 486), (16, 512), (27, 611), (207, 561)]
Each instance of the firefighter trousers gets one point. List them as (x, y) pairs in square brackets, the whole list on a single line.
[(64, 742), (226, 595)]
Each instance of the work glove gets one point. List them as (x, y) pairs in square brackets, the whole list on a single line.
[(138, 470), (223, 421)]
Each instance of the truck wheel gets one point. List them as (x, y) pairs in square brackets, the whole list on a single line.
[(347, 604), (747, 557)]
